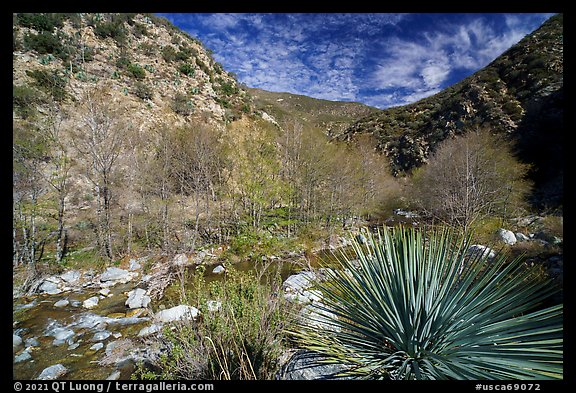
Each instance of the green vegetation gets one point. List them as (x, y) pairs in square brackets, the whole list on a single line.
[(136, 71), (186, 69), (45, 22), (43, 43), (143, 91), (51, 82), (24, 100), (416, 305), (182, 104), (239, 335)]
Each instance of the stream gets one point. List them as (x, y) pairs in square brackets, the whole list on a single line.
[(64, 328)]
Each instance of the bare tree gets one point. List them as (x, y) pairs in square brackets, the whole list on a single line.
[(101, 138), (469, 178), (57, 175)]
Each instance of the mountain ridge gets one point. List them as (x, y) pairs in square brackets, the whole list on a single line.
[(519, 94)]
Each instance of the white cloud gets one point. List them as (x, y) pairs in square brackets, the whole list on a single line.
[(357, 57)]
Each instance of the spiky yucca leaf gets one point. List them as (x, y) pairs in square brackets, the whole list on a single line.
[(420, 306)]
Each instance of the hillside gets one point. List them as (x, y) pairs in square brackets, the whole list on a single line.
[(332, 117), (519, 94), (155, 68)]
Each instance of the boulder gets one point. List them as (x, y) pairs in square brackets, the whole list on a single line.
[(16, 341), (507, 236), (101, 336), (115, 274), (521, 237), (307, 296), (53, 372), (138, 298), (71, 276), (25, 355), (478, 250), (177, 313), (104, 292), (218, 269), (31, 342), (62, 335), (180, 260), (148, 330), (299, 282), (97, 347), (114, 376), (91, 302), (135, 265), (62, 303), (307, 365), (49, 287)]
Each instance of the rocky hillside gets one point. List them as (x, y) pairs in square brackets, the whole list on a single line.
[(333, 117), (519, 94), (157, 69)]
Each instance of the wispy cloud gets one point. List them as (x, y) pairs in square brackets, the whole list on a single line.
[(380, 59)]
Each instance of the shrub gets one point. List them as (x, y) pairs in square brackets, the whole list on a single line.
[(243, 339), (136, 71), (186, 69), (113, 30), (181, 104), (414, 305), (50, 82), (43, 43), (472, 177), (24, 99), (168, 54), (143, 91), (41, 22)]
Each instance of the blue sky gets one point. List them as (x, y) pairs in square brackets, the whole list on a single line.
[(381, 60)]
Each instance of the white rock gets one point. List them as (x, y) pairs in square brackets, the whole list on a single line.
[(91, 302), (214, 305), (180, 260), (97, 346), (25, 355), (218, 269), (53, 372), (134, 265), (62, 303), (104, 292), (71, 276), (521, 237), (100, 336), (177, 313), (482, 251), (116, 274), (148, 330), (114, 376), (507, 236), (49, 287), (137, 298), (299, 282), (16, 340)]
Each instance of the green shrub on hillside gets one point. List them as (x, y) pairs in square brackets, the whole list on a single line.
[(186, 69), (50, 82), (136, 71), (43, 22), (43, 43), (24, 99)]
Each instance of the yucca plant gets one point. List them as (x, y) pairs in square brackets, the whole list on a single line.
[(417, 305)]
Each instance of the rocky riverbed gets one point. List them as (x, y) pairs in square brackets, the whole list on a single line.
[(89, 325)]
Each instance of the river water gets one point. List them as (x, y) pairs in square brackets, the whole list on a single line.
[(83, 339)]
